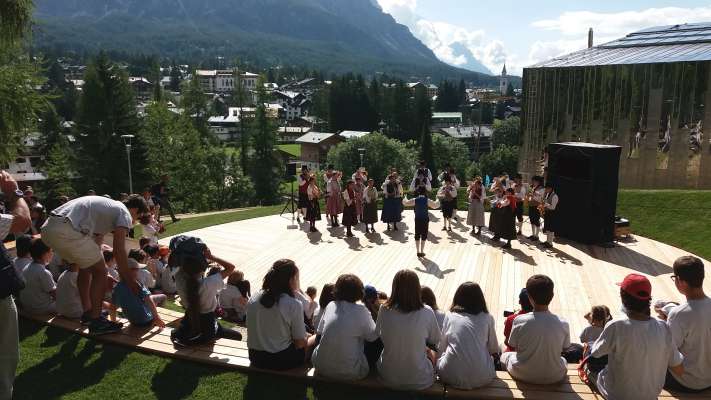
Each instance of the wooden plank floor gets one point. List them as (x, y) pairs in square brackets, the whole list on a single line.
[(583, 275), (234, 355)]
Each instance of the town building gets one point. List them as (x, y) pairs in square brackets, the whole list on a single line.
[(446, 120), (476, 137), (431, 89), (295, 104), (25, 168), (142, 87), (289, 134), (645, 92), (315, 147), (228, 127), (503, 81), (224, 80)]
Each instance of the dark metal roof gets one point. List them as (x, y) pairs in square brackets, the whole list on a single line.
[(663, 44)]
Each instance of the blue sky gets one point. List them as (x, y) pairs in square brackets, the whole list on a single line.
[(521, 33)]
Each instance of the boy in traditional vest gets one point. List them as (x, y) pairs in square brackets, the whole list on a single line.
[(422, 217)]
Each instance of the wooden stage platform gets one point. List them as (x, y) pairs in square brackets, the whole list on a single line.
[(584, 275)]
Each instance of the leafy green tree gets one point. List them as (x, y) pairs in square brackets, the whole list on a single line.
[(503, 158), (265, 168), (15, 16), (20, 74), (448, 150), (426, 152), (507, 132), (60, 171), (381, 153)]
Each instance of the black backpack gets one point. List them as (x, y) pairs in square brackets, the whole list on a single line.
[(183, 246)]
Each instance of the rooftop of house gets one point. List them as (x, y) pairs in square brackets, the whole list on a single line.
[(353, 134), (661, 44), (446, 115), (315, 137), (467, 132)]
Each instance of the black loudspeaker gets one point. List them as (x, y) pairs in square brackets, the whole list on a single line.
[(585, 176), (290, 170)]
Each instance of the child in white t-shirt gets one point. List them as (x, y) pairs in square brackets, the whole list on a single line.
[(22, 249), (407, 328), (39, 293), (68, 299), (153, 262), (638, 348), (538, 338), (144, 276), (234, 298)]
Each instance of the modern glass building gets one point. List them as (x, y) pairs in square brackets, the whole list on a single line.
[(645, 92)]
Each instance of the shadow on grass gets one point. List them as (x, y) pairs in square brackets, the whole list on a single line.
[(175, 381), (261, 386), (75, 365)]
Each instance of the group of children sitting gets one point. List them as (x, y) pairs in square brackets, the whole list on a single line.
[(51, 285), (353, 329)]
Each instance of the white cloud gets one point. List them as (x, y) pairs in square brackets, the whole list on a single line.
[(618, 24)]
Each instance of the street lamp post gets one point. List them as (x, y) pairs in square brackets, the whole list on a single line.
[(361, 152), (127, 141)]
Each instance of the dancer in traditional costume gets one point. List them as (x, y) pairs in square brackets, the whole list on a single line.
[(535, 198), (448, 172), (303, 181), (495, 213), (422, 217), (350, 217), (313, 211), (475, 216), (447, 196), (333, 195), (392, 202), (370, 206), (550, 204), (421, 179), (505, 222), (520, 190), (359, 188)]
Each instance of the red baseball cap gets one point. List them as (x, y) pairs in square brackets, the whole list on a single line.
[(637, 286)]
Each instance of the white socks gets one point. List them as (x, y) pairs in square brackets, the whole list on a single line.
[(550, 237)]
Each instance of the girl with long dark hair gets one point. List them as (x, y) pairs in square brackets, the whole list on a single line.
[(277, 337), (198, 294)]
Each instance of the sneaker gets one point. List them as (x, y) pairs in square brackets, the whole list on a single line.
[(548, 245), (102, 326), (450, 229), (533, 238), (444, 228), (496, 238), (86, 317), (506, 246)]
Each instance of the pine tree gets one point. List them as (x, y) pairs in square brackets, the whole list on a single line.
[(265, 168), (175, 78), (426, 152), (195, 103), (106, 112), (239, 98), (50, 129), (59, 168), (509, 90)]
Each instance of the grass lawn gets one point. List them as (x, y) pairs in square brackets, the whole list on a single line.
[(58, 364), (293, 149), (677, 217)]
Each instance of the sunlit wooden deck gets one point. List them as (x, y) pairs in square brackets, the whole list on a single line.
[(584, 275)]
